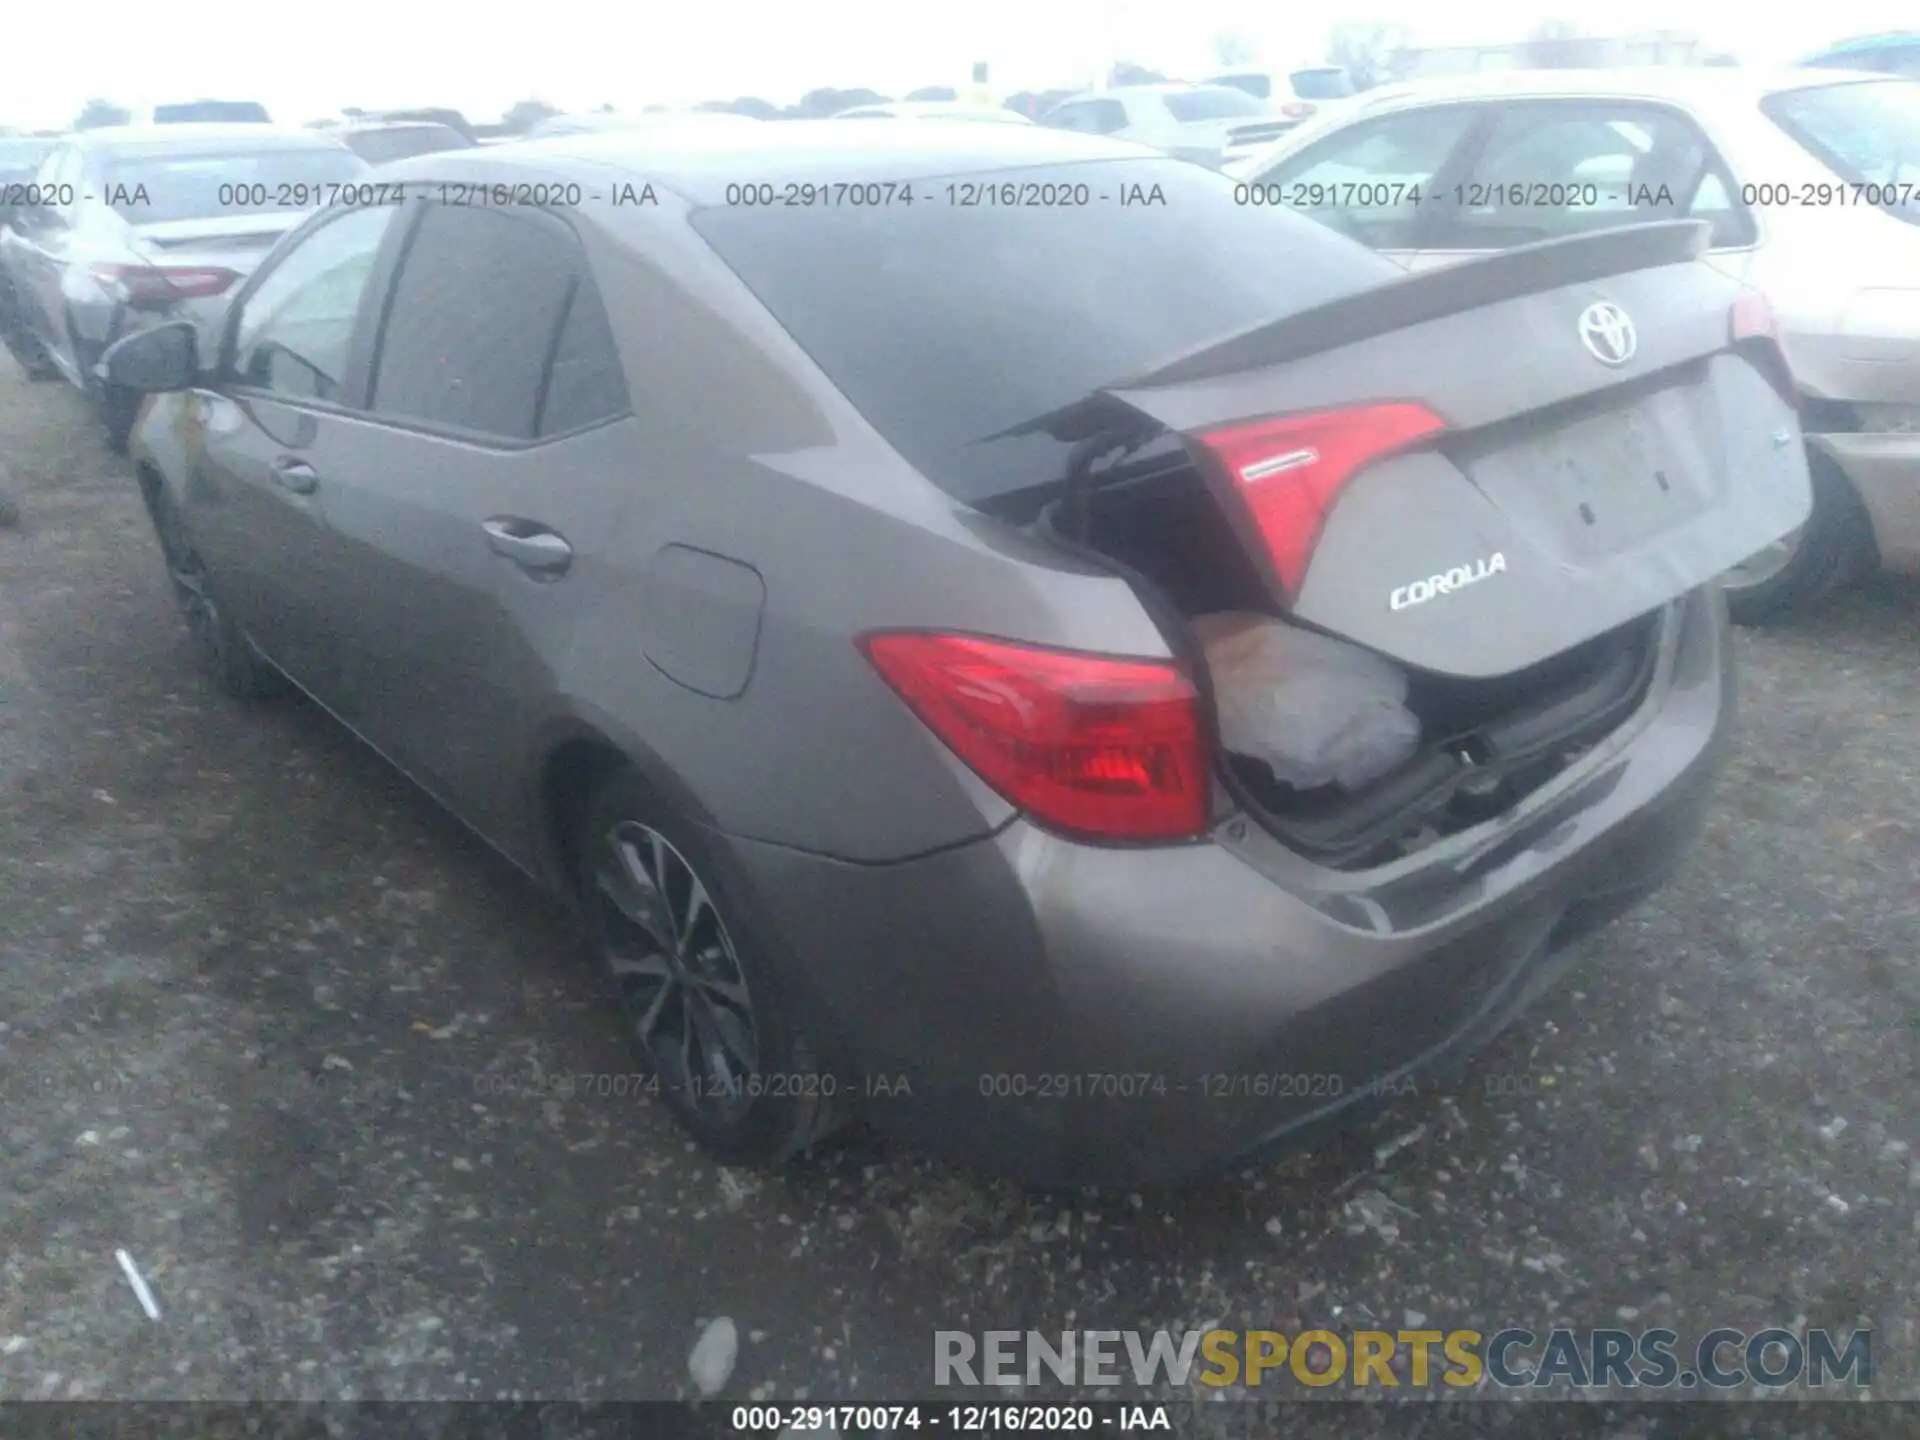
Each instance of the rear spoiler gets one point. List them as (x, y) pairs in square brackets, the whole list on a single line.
[(1406, 300)]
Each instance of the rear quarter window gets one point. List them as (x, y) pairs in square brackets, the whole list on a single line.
[(1867, 133), (944, 327)]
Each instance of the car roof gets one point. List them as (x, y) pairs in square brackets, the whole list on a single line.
[(358, 126), (699, 162), (1686, 84), (143, 139)]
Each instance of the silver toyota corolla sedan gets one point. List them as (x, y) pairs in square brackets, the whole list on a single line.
[(1011, 645)]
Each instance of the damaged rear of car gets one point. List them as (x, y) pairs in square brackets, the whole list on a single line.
[(1445, 677)]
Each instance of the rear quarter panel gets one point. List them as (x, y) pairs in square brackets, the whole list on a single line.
[(748, 454)]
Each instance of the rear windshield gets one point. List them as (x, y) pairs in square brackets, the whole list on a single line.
[(1331, 84), (376, 147), (152, 188), (945, 325), (1219, 103), (15, 153), (212, 112), (1867, 133)]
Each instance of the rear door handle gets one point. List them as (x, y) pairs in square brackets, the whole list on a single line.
[(529, 544), (295, 475)]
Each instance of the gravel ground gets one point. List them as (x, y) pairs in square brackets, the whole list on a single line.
[(278, 1028)]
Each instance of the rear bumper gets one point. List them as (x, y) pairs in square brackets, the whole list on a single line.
[(1885, 471), (1080, 1015)]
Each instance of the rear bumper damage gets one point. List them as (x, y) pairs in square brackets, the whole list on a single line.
[(1074, 1014), (1885, 471)]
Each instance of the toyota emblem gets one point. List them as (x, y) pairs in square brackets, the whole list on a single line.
[(1607, 333)]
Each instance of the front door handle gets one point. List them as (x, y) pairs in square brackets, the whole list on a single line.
[(295, 475), (529, 544)]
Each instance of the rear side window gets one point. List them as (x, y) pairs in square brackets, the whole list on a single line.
[(1548, 171), (475, 310), (1217, 103), (1866, 133), (1089, 117), (1373, 180), (943, 334), (585, 384)]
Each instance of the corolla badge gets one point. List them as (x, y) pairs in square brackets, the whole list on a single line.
[(1607, 333), (1419, 592)]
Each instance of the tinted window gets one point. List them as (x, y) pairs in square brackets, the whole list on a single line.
[(1331, 84), (376, 147), (1217, 103), (1258, 86), (586, 384), (944, 334), (147, 189), (475, 310), (212, 112), (294, 331), (1549, 171), (1866, 134), (1373, 180)]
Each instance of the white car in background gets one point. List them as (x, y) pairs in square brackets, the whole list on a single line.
[(1209, 124), (935, 110), (1809, 180)]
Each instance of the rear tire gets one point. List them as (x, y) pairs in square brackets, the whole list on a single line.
[(704, 1010), (229, 656), (1833, 547)]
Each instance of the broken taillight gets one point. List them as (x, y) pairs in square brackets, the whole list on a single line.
[(152, 286), (1094, 745), (1289, 470)]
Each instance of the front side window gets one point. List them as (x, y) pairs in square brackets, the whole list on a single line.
[(1374, 180), (1548, 171), (1867, 133), (476, 310), (294, 331)]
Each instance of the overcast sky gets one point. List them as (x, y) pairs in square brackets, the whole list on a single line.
[(305, 61)]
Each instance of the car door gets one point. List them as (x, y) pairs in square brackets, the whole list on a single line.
[(46, 239), (289, 380), (1546, 169), (1384, 180), (474, 503)]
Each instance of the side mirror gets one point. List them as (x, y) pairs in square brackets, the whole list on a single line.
[(155, 362)]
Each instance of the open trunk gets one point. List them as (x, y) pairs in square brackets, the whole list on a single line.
[(1499, 476)]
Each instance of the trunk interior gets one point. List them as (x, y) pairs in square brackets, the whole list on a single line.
[(1485, 743)]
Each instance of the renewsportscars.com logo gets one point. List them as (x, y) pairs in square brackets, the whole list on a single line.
[(1651, 1359)]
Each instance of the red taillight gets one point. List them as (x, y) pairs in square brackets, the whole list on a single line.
[(1297, 109), (1290, 470), (143, 285), (1097, 746), (1752, 318)]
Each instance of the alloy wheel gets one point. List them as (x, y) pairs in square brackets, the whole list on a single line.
[(676, 971)]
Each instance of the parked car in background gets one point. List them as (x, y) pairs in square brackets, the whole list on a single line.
[(1809, 179), (958, 586), (20, 160), (934, 110), (1895, 54), (426, 115), (1208, 124), (135, 226), (200, 112), (1296, 95), (378, 141), (599, 122)]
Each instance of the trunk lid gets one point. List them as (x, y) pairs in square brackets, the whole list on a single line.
[(1571, 490)]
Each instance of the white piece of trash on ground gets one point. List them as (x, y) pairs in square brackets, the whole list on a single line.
[(139, 1284), (711, 1362)]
